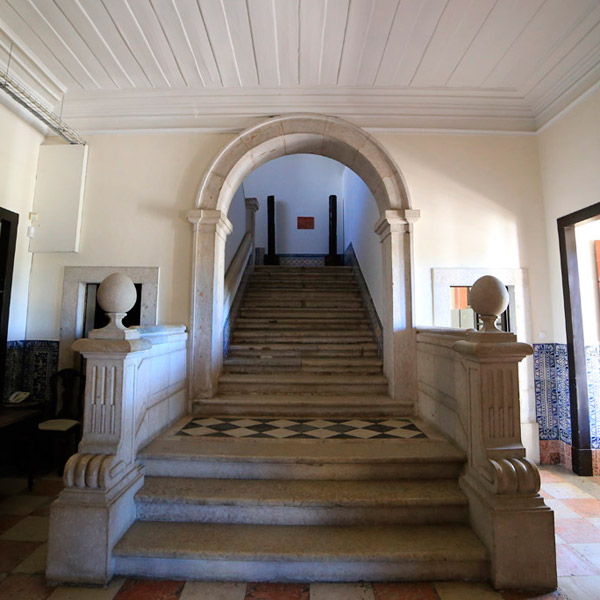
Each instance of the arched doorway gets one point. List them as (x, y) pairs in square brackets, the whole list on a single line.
[(356, 149)]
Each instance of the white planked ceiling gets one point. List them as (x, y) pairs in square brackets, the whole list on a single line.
[(151, 64)]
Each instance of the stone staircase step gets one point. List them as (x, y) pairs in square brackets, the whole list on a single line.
[(290, 269), (300, 502), (256, 458), (319, 314), (298, 553), (301, 404), (296, 350), (274, 303), (243, 323), (308, 365), (302, 383), (303, 336)]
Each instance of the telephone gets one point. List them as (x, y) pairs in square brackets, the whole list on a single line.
[(17, 397)]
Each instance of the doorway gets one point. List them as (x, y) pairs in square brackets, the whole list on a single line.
[(8, 240), (578, 325)]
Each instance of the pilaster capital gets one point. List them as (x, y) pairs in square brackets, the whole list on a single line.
[(396, 221), (209, 221), (252, 204)]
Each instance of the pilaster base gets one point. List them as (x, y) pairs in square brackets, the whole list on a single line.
[(518, 531), (85, 524)]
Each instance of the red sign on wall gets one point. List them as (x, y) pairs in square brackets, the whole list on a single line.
[(306, 222)]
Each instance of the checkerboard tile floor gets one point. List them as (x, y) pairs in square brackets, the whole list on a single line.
[(308, 429), (24, 527)]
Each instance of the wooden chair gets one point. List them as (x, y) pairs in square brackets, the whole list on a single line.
[(63, 414)]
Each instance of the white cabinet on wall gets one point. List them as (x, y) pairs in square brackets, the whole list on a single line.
[(58, 199)]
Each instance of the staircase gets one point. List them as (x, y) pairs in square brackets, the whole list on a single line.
[(258, 508), (303, 344)]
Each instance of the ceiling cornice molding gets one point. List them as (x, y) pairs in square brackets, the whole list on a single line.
[(227, 110)]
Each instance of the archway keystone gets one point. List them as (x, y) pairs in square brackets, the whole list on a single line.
[(308, 134)]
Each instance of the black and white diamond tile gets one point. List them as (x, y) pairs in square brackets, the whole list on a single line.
[(283, 428)]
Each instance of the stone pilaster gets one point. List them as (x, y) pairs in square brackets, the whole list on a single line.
[(399, 345), (211, 228)]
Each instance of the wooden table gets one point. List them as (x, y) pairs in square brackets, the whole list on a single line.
[(21, 425)]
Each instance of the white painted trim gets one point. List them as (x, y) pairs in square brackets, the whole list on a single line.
[(567, 109)]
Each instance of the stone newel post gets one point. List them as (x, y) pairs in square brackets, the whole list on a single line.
[(503, 485), (96, 507)]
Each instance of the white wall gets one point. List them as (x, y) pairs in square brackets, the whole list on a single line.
[(360, 215), (237, 216), (18, 164), (138, 189), (479, 196), (570, 171), (585, 235), (301, 184), (481, 206)]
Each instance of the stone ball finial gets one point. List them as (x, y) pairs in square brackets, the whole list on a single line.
[(117, 294), (489, 298)]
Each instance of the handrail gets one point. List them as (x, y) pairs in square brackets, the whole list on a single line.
[(235, 272)]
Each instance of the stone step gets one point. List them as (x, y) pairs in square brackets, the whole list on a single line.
[(339, 276), (320, 314), (243, 323), (298, 336), (258, 458), (297, 350), (300, 502), (276, 303), (305, 365), (290, 269), (307, 405), (302, 383), (297, 553)]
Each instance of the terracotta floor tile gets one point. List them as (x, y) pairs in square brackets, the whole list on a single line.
[(12, 485), (561, 510), (585, 507), (19, 586), (569, 562), (7, 521), (71, 592), (35, 562), (564, 490), (580, 588), (404, 591), (13, 553), (577, 531), (547, 476), (212, 590), (28, 529), (42, 511), (514, 595), (47, 487), (591, 552), (278, 591), (545, 494), (341, 591), (142, 589), (466, 591), (21, 504)]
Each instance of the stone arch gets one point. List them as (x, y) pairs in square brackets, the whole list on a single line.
[(293, 134), (307, 134)]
